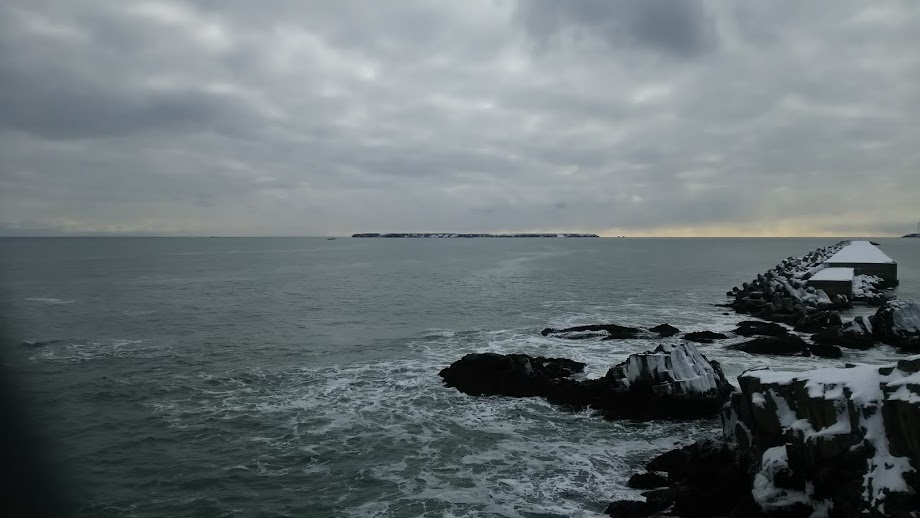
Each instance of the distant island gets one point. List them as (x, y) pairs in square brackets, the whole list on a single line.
[(453, 235), (911, 235)]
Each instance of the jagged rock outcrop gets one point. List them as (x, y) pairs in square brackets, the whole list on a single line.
[(611, 332), (834, 442), (703, 479), (898, 323), (839, 441), (670, 382), (855, 334)]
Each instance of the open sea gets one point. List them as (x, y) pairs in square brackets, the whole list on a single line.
[(268, 377)]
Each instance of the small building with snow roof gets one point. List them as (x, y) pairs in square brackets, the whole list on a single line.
[(864, 258)]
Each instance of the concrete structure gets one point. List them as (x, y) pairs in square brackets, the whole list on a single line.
[(865, 259), (834, 281)]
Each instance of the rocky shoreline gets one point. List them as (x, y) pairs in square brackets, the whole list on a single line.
[(833, 442)]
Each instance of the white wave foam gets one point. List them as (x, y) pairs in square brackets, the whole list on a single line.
[(50, 300), (422, 448)]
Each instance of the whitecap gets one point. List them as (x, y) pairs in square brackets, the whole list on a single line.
[(50, 300)]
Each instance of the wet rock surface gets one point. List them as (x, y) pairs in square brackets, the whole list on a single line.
[(610, 332), (760, 328), (488, 374), (703, 479), (898, 323), (789, 345), (669, 382), (648, 480), (704, 337)]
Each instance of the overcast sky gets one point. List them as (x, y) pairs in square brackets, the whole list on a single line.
[(646, 117)]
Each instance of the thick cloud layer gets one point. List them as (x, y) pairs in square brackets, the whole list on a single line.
[(651, 117)]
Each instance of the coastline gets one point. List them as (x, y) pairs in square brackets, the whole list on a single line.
[(784, 433)]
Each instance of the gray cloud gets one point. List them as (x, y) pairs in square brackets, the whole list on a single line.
[(288, 117), (681, 28)]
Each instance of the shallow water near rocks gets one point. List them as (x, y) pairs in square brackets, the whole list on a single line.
[(298, 377)]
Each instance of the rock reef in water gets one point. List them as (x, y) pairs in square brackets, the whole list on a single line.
[(704, 337), (670, 382), (611, 332)]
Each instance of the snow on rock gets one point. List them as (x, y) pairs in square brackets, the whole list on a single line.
[(774, 464), (781, 294), (670, 382), (865, 286), (848, 435), (672, 370), (898, 323)]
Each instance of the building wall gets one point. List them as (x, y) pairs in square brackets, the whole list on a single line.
[(834, 287)]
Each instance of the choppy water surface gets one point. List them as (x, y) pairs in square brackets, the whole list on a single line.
[(298, 377)]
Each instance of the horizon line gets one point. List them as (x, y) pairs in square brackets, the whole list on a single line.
[(349, 236)]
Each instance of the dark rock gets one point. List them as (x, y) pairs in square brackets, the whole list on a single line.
[(756, 327), (708, 479), (661, 499), (811, 324), (665, 330), (647, 480), (670, 382), (511, 375), (704, 337), (629, 509), (856, 334), (825, 351), (775, 345), (897, 323), (611, 330)]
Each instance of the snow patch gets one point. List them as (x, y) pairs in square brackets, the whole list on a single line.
[(859, 252)]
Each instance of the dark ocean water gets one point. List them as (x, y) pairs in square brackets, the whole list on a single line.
[(298, 377)]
